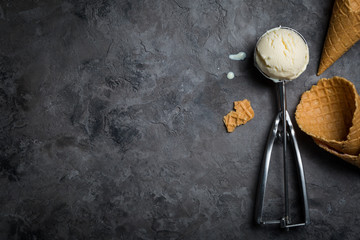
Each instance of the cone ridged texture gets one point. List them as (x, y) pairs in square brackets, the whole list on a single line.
[(343, 32), (330, 113)]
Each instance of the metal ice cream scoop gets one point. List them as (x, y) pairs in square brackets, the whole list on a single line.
[(287, 133)]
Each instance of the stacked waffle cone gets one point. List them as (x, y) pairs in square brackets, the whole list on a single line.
[(353, 159), (330, 113), (343, 32)]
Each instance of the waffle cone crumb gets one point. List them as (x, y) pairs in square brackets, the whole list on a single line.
[(242, 114)]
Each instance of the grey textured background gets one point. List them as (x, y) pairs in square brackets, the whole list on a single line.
[(111, 121)]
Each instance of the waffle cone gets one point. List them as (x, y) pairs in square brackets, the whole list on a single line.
[(329, 112), (353, 159), (343, 32)]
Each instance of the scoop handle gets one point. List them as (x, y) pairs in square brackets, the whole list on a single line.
[(288, 130)]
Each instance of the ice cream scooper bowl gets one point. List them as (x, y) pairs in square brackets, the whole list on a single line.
[(281, 55)]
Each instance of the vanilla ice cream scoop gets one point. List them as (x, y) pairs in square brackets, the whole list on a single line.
[(282, 54)]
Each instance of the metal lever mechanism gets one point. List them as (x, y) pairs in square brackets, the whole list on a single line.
[(259, 206)]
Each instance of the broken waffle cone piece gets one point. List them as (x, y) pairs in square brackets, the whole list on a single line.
[(343, 32), (329, 112), (242, 114), (232, 120), (352, 159)]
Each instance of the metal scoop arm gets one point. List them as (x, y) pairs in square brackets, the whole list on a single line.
[(300, 170), (259, 205)]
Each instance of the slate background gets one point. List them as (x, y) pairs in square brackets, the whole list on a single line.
[(111, 121)]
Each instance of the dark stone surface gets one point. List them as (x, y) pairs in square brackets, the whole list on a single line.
[(111, 121)]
